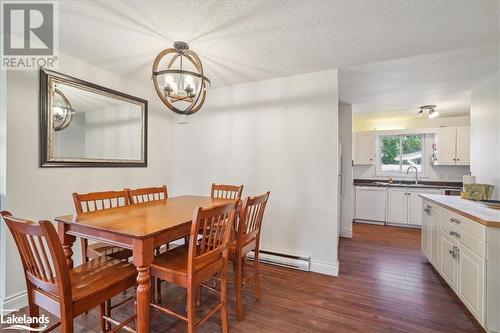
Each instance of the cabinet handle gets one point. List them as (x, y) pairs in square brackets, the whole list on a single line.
[(428, 210), (455, 252), (454, 159), (454, 220), (454, 233)]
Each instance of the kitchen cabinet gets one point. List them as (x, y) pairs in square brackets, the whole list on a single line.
[(463, 260), (452, 146), (463, 146), (430, 234), (425, 244), (398, 206), (405, 205), (434, 237), (370, 203), (471, 280), (448, 258), (365, 148)]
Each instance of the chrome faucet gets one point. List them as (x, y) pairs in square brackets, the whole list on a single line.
[(416, 172)]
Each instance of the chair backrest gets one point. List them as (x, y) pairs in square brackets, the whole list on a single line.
[(250, 218), (41, 254), (147, 194), (220, 191), (93, 201), (215, 224)]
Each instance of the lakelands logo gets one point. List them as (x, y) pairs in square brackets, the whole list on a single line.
[(29, 35), (23, 322)]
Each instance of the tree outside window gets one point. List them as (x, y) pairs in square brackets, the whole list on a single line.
[(398, 152)]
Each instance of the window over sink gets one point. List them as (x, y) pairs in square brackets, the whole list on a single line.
[(399, 152)]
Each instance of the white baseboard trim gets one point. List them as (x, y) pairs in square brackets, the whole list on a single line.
[(369, 222), (346, 233), (14, 302), (325, 268)]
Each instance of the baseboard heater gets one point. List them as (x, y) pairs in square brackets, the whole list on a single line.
[(283, 260)]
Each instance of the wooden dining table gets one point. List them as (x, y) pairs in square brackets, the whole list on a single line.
[(140, 228)]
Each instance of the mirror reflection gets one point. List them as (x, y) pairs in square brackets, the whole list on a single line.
[(93, 126)]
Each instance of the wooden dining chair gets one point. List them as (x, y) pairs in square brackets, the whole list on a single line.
[(190, 266), (65, 292), (247, 239), (220, 191), (94, 201), (147, 194)]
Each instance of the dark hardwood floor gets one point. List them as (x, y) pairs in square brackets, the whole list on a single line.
[(385, 285)]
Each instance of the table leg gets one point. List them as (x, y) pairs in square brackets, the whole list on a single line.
[(143, 257), (67, 243)]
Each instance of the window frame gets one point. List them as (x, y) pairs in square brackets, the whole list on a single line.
[(402, 173)]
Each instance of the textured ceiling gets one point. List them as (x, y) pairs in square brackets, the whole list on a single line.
[(396, 88), (241, 41)]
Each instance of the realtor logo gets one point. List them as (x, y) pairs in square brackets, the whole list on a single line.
[(22, 322), (29, 35)]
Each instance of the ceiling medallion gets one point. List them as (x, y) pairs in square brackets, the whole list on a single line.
[(431, 109), (178, 79)]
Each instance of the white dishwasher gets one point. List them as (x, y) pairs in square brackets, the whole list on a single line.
[(371, 204)]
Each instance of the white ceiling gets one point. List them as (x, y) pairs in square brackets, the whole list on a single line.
[(396, 88), (242, 41)]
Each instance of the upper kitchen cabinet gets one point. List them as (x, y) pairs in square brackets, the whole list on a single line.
[(364, 148), (463, 146), (452, 146)]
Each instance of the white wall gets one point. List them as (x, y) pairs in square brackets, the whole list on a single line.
[(43, 193), (485, 132), (279, 135), (346, 188)]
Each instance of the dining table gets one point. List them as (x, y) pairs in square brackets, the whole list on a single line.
[(139, 227)]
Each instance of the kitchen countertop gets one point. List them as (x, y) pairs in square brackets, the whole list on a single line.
[(407, 183), (473, 210)]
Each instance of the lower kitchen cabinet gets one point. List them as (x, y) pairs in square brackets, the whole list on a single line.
[(405, 205), (398, 206), (430, 234), (448, 259), (457, 247), (471, 276)]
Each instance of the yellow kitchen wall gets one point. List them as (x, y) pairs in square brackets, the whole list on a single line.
[(400, 123)]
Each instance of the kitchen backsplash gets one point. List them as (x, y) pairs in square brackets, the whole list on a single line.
[(441, 173)]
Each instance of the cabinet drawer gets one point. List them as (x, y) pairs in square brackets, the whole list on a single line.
[(472, 243), (473, 228)]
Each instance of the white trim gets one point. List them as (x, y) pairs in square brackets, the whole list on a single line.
[(347, 233), (369, 222), (325, 268), (14, 302)]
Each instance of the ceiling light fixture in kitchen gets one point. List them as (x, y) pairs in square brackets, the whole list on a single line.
[(431, 109)]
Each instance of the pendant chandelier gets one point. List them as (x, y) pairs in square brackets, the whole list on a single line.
[(178, 79)]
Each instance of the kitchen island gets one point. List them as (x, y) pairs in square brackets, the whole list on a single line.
[(461, 239)]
